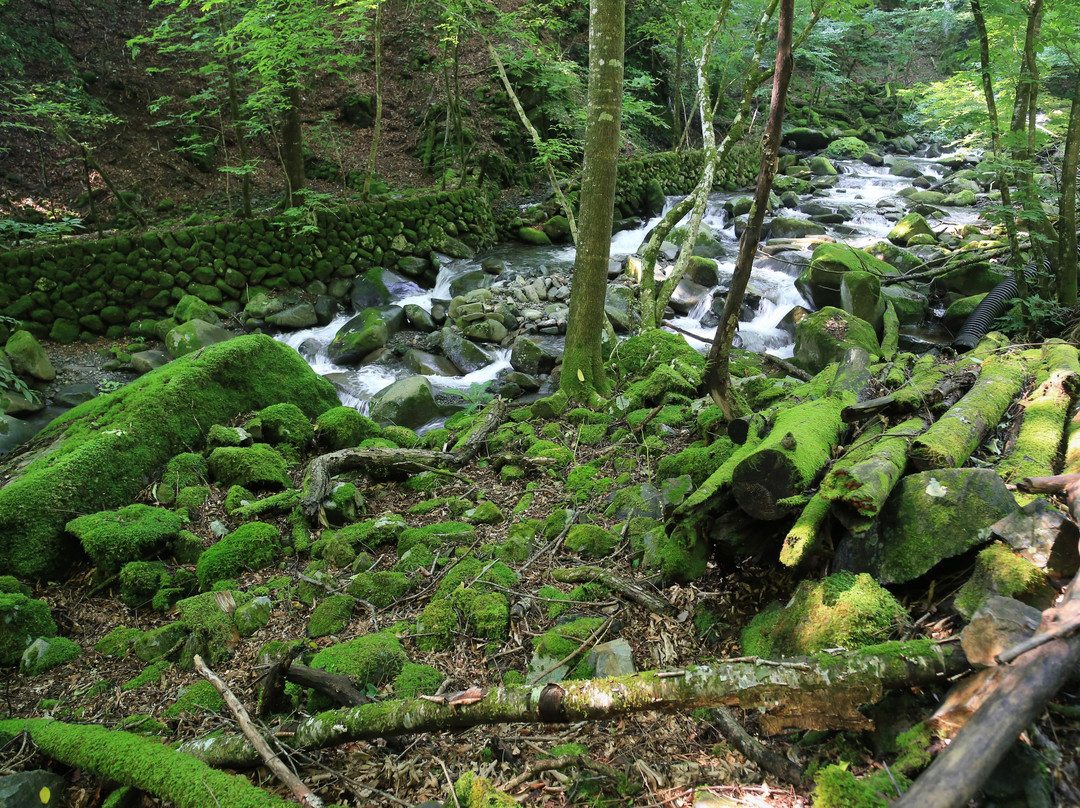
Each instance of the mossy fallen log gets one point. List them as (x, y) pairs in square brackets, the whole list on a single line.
[(790, 458), (958, 433), (143, 763), (1043, 413), (857, 491), (822, 692), (101, 454)]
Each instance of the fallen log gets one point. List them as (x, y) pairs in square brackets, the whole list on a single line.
[(951, 441), (1067, 484), (857, 491), (143, 763), (1019, 696), (799, 446), (820, 692), (320, 471)]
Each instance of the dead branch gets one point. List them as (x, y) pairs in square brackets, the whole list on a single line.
[(302, 793), (752, 749), (633, 591)]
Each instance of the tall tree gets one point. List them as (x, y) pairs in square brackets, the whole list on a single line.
[(717, 376), (583, 375)]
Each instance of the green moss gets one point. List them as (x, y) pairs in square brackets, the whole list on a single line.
[(566, 640), (489, 614), (275, 503), (183, 470), (190, 499), (544, 448), (118, 641), (198, 697), (48, 652), (343, 428), (427, 481), (474, 791), (555, 524), (113, 538), (106, 449), (373, 533), (22, 620), (586, 482), (256, 466), (336, 547), (227, 436), (584, 416), (373, 659), (331, 615), (11, 584), (440, 535), (285, 423), (415, 679), (151, 674), (401, 435), (565, 749), (187, 547), (380, 589), (477, 575), (436, 626), (485, 513), (1000, 571), (513, 678), (140, 725), (640, 355), (455, 505), (591, 541), (250, 547), (843, 610), (140, 581)]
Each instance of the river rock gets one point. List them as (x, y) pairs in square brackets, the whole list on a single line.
[(910, 305), (294, 318), (190, 307), (821, 166), (533, 235), (407, 402), (557, 229), (366, 332), (997, 625), (414, 266), (28, 358), (465, 354), (368, 290), (488, 329), (902, 168), (145, 361), (785, 227), (470, 282), (326, 308), (820, 281), (910, 226), (806, 139), (930, 516), (419, 318), (1043, 535), (533, 355), (687, 295), (428, 364), (193, 336), (860, 294), (927, 198), (963, 198), (828, 334), (262, 305), (619, 307), (972, 279), (39, 788)]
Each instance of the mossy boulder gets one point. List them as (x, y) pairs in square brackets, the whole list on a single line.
[(190, 308), (210, 618), (842, 611), (182, 471), (973, 279), (910, 227), (827, 335), (22, 620), (591, 541), (193, 336), (564, 642), (343, 428), (250, 547), (254, 467), (48, 652), (416, 679), (380, 589), (847, 148), (140, 581), (407, 402), (373, 659), (820, 281), (28, 358), (1002, 572), (285, 423), (113, 538), (331, 615), (930, 516), (101, 454), (154, 644), (199, 697)]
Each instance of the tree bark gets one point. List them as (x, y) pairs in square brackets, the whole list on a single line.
[(292, 145), (821, 693), (717, 376), (633, 591), (950, 442), (583, 375), (377, 130), (1067, 258)]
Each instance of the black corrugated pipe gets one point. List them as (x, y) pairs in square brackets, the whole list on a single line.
[(997, 300)]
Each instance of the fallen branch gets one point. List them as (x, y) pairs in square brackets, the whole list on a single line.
[(752, 749), (826, 696), (302, 793), (334, 685), (633, 592), (321, 470), (142, 763), (560, 763)]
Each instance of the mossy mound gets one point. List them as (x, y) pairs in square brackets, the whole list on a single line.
[(22, 620), (250, 547), (100, 454), (209, 617), (415, 679), (113, 538), (140, 581), (564, 642), (284, 423), (380, 589), (373, 659), (182, 471), (591, 541), (256, 466), (1000, 571), (118, 641), (45, 653), (439, 535), (843, 610), (343, 428), (197, 698), (331, 615)]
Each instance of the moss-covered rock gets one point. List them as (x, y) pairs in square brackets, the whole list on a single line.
[(48, 652), (827, 335), (182, 471), (28, 358), (140, 581), (255, 466), (842, 611), (113, 538), (911, 227), (380, 589), (591, 541), (198, 697), (285, 423), (473, 791), (436, 627), (373, 659), (118, 642), (209, 616), (820, 281), (1000, 571), (100, 454), (415, 679), (22, 620), (331, 615), (343, 428), (160, 641), (250, 547)]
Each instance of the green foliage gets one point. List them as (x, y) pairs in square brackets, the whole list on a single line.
[(1033, 319)]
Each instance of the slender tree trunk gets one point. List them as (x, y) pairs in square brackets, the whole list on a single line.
[(583, 364), (378, 102), (1067, 259), (676, 93), (717, 376), (995, 130), (238, 125), (292, 147)]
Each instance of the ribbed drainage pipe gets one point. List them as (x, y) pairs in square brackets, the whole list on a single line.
[(997, 300)]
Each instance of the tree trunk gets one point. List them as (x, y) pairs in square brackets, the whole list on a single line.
[(378, 103), (950, 442), (812, 693), (583, 373), (238, 125), (1067, 258), (292, 147), (717, 376)]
